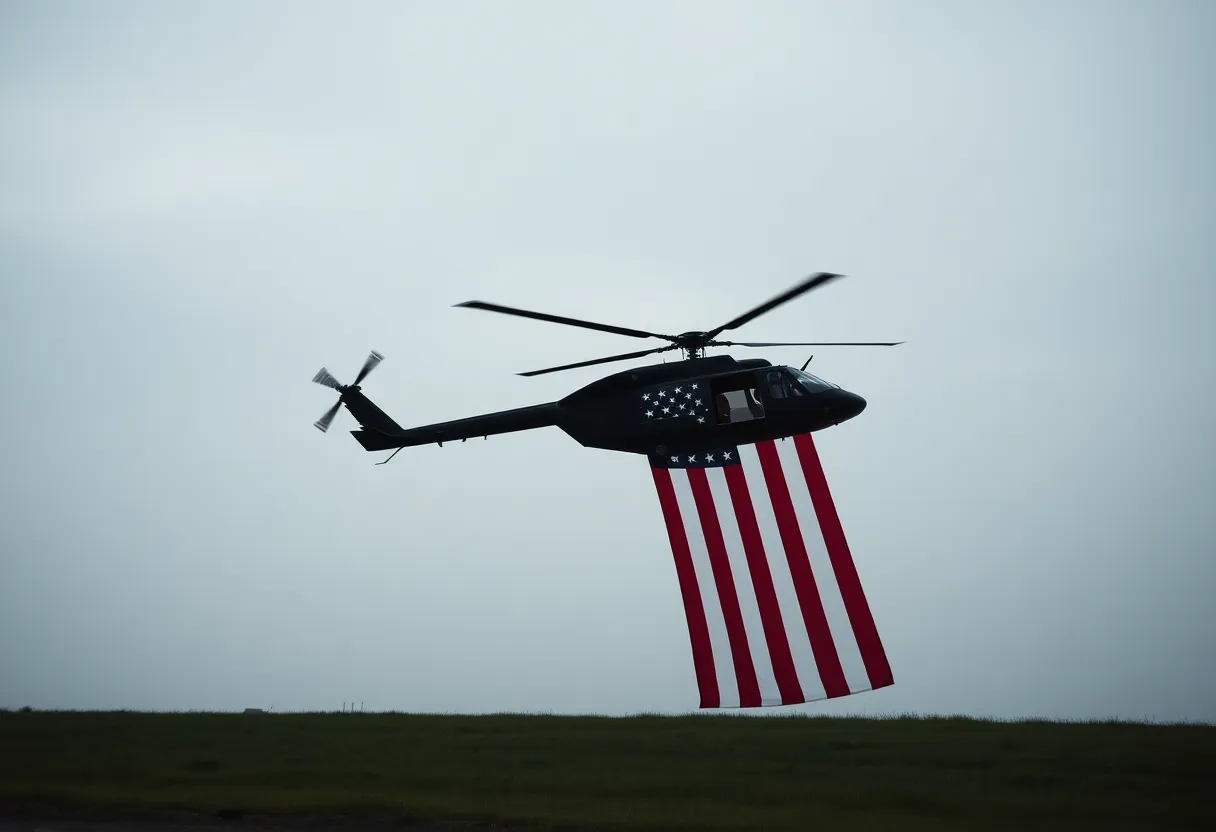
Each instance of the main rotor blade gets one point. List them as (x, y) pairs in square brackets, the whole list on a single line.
[(813, 282), (558, 319), (624, 357), (324, 378), (369, 365), (322, 424), (807, 343)]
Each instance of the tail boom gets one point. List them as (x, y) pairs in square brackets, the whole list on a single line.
[(376, 438)]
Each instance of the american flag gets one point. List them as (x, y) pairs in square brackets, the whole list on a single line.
[(775, 609), (685, 401)]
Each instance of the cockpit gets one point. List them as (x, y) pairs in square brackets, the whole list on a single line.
[(743, 397), (788, 383)]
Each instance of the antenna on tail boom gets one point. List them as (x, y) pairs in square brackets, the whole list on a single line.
[(390, 457)]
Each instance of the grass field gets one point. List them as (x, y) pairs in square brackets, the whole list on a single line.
[(698, 772)]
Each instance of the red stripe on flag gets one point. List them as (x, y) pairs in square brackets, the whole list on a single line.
[(728, 595), (864, 629), (762, 582), (698, 628), (826, 658)]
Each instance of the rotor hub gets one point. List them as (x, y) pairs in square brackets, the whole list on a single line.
[(693, 343)]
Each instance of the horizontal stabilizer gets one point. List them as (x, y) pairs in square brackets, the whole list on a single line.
[(373, 440)]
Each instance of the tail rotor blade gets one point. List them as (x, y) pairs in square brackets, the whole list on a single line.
[(324, 378), (369, 365), (323, 423)]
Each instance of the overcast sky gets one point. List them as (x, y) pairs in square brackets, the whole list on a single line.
[(203, 203)]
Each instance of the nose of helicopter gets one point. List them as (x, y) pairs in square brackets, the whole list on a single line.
[(846, 406)]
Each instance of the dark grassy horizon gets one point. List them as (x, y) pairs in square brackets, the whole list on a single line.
[(763, 714), (698, 771)]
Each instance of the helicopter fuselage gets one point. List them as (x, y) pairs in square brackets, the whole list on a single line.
[(685, 406), (700, 403)]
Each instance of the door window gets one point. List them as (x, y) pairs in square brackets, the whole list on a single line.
[(738, 406)]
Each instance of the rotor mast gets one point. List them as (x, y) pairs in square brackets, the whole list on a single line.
[(693, 344)]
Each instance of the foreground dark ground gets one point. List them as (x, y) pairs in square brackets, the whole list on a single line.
[(69, 772)]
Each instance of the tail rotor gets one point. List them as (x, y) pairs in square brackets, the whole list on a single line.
[(326, 379)]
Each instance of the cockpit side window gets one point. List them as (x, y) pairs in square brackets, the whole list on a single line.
[(812, 384), (779, 386)]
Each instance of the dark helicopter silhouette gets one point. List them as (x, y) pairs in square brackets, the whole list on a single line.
[(698, 404)]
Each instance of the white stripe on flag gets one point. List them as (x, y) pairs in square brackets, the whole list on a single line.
[(724, 667), (749, 606), (783, 581), (821, 566)]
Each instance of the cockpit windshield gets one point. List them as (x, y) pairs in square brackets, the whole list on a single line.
[(812, 384)]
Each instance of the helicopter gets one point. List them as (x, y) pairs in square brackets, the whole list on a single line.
[(698, 404)]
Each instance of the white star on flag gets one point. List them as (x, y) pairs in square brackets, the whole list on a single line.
[(677, 403)]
